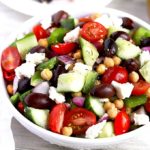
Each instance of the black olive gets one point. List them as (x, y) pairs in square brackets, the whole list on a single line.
[(127, 23), (145, 42)]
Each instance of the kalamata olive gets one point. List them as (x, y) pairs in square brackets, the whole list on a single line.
[(103, 91), (38, 49), (145, 42), (110, 47), (131, 65), (39, 101), (57, 17), (121, 34), (23, 85), (127, 23)]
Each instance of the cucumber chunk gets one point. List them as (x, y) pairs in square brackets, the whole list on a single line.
[(94, 105), (38, 116), (25, 44), (36, 78), (89, 52)]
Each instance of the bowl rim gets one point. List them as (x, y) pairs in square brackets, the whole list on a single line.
[(23, 120)]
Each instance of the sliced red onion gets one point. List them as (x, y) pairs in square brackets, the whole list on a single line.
[(43, 88), (65, 59), (104, 117), (79, 101), (147, 48), (15, 84)]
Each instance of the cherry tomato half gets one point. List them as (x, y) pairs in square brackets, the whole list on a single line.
[(63, 48), (79, 119), (10, 59), (116, 73), (121, 123), (93, 31), (9, 76), (56, 118), (140, 88), (147, 105), (39, 32)]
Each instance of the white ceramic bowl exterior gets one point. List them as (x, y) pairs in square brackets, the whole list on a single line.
[(71, 142)]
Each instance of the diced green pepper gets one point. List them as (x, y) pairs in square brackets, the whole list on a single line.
[(48, 64), (15, 98), (22, 96), (135, 101), (57, 36), (36, 78), (68, 23)]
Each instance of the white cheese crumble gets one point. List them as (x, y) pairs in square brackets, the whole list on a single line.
[(73, 35), (144, 57), (45, 23), (104, 100), (82, 68), (140, 119), (123, 89), (94, 131), (25, 70), (35, 58), (55, 96)]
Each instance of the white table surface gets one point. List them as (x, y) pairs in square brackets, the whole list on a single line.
[(10, 20)]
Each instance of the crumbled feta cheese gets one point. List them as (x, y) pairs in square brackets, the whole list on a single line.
[(140, 119), (45, 23), (94, 131), (123, 89), (144, 57), (73, 35), (55, 96), (116, 21), (104, 100), (81, 68), (25, 70), (35, 58)]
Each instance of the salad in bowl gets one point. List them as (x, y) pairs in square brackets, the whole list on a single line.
[(80, 77)]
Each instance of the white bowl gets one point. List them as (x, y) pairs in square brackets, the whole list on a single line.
[(71, 142)]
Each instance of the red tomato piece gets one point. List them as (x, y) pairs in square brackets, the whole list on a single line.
[(117, 73), (93, 31), (147, 105), (121, 123), (20, 107), (9, 76), (63, 48), (39, 32), (140, 88), (79, 119), (56, 118), (10, 59), (85, 19)]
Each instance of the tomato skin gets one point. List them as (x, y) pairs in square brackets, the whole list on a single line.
[(140, 88), (20, 107), (80, 119), (85, 19), (147, 105), (9, 76), (116, 73), (39, 32), (63, 48), (93, 31), (10, 59), (56, 118), (121, 123)]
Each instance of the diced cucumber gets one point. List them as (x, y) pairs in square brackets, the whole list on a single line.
[(48, 64), (25, 44), (70, 82), (38, 116), (89, 52), (22, 96), (107, 131), (89, 81), (57, 36), (15, 98), (94, 105), (145, 72), (69, 23), (127, 50), (36, 78), (135, 101)]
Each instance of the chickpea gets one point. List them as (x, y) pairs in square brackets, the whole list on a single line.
[(97, 82), (108, 105), (128, 110), (76, 94), (148, 93), (46, 74), (43, 42), (116, 60), (101, 68), (10, 89), (112, 113), (133, 77), (67, 131), (95, 15), (108, 62), (79, 60), (119, 103), (77, 54)]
